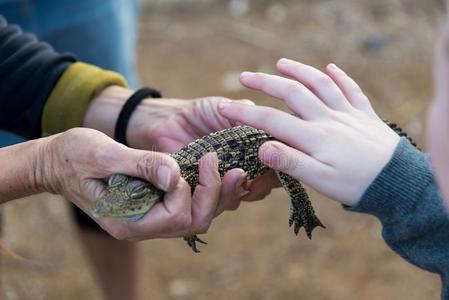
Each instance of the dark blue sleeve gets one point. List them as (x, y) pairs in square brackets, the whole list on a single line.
[(406, 199), (29, 70)]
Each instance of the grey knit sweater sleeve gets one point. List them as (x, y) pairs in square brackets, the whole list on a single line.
[(405, 198)]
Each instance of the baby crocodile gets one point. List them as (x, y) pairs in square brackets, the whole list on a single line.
[(237, 147)]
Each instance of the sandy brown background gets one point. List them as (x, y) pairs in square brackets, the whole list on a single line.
[(197, 48)]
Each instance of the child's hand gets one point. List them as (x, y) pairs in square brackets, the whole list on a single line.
[(337, 143)]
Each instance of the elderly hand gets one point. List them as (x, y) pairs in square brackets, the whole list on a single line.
[(75, 164), (168, 124)]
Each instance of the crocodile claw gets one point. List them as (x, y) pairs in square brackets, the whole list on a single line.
[(295, 219), (191, 241), (305, 219)]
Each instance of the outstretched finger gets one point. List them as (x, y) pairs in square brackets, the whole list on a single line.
[(315, 80), (350, 89), (295, 95), (300, 134)]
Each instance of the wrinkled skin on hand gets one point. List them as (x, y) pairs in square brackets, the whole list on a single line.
[(75, 164), (175, 123)]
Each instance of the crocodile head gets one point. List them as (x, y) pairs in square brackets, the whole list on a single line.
[(127, 197)]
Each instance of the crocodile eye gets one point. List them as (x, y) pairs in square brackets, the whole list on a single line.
[(136, 189), (116, 180), (139, 194)]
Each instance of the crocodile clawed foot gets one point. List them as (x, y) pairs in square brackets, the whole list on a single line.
[(295, 218), (191, 241), (306, 219), (311, 223)]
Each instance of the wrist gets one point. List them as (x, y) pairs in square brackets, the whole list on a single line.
[(22, 173), (47, 165), (103, 110), (394, 193), (67, 104)]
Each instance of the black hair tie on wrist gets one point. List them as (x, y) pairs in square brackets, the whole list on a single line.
[(127, 110)]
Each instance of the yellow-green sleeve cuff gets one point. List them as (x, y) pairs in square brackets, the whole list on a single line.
[(67, 103)]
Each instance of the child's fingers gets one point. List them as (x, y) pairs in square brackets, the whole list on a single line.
[(281, 125), (288, 160), (297, 97), (350, 89), (318, 82)]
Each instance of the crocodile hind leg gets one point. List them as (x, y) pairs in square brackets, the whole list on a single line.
[(191, 241), (301, 210)]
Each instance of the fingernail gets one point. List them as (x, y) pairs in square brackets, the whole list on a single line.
[(163, 177), (246, 75), (210, 160), (241, 180), (223, 105), (269, 154), (333, 66), (284, 61), (247, 102), (242, 193)]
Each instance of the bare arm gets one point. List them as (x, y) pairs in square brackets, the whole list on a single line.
[(75, 164), (20, 175)]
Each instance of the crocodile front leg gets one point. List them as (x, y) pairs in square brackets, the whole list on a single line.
[(301, 210)]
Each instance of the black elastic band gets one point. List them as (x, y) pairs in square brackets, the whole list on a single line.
[(127, 110)]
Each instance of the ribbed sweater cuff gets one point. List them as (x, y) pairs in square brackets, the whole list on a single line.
[(398, 189), (67, 103)]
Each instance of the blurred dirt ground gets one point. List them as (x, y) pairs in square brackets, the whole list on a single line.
[(197, 48)]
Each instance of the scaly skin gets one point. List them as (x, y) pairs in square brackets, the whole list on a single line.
[(236, 147)]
